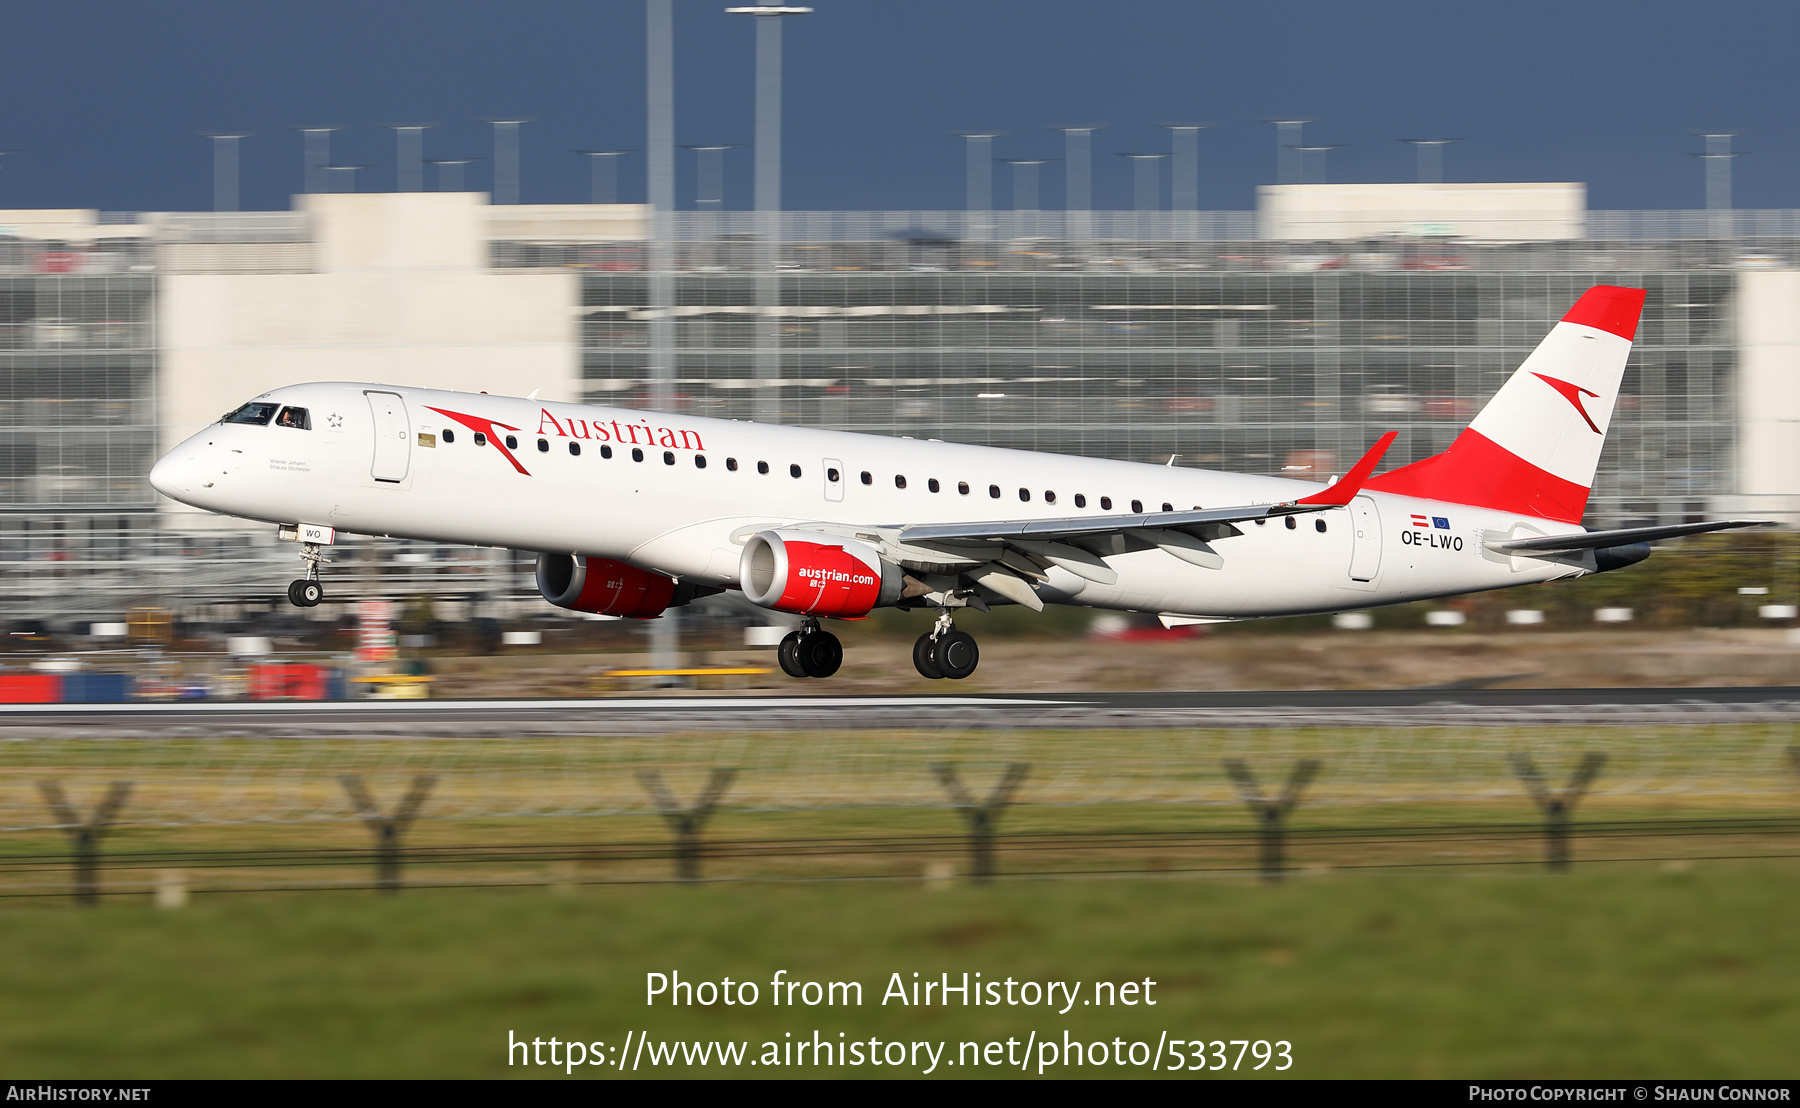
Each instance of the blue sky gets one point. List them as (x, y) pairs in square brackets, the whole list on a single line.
[(105, 101)]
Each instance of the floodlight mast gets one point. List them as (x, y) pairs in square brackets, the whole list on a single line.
[(1025, 182), (1431, 158), (317, 156), (450, 172), (709, 195), (1148, 190), (1718, 157), (225, 168), (1184, 165), (1287, 139), (1321, 150), (409, 155), (348, 170), (1078, 178), (767, 403), (506, 158), (604, 175)]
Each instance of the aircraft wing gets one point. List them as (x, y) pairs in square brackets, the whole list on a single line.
[(1599, 540), (1219, 519)]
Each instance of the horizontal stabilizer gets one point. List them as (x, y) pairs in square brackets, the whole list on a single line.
[(1600, 540)]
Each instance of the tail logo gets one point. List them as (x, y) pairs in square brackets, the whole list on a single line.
[(1573, 394)]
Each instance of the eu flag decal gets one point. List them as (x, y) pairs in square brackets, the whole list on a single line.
[(1440, 522)]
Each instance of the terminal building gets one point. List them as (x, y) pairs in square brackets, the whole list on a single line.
[(1283, 340)]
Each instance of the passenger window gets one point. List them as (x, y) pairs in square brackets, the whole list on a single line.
[(253, 413), (668, 457), (932, 484), (1319, 526), (866, 479), (1049, 497), (1137, 505), (962, 487), (793, 471), (636, 454), (480, 439), (605, 451), (699, 461), (512, 442), (1106, 503), (575, 450), (899, 481), (543, 446), (762, 467), (1290, 523), (1024, 494), (994, 491), (1080, 500), (831, 475), (448, 436), (295, 418), (1168, 507), (731, 464)]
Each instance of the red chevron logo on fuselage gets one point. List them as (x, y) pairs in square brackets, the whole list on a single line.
[(485, 427), (1573, 394)]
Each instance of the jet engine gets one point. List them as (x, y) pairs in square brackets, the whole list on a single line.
[(605, 587), (816, 575)]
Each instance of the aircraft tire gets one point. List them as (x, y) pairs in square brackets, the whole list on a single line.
[(788, 655), (956, 655), (310, 593), (922, 658), (820, 653)]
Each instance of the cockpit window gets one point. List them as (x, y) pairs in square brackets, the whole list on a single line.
[(295, 418), (256, 413)]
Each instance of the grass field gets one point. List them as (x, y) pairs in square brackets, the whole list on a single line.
[(1607, 971)]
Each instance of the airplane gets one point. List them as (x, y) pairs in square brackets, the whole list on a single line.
[(636, 512)]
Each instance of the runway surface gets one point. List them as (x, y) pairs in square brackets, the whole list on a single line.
[(653, 714)]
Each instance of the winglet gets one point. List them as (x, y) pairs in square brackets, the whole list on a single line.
[(1342, 491)]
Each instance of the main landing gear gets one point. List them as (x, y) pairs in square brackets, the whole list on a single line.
[(810, 652), (308, 591), (945, 652)]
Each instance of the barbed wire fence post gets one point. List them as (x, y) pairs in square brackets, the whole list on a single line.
[(388, 829), (1272, 812), (687, 823), (85, 835), (1557, 804), (983, 816)]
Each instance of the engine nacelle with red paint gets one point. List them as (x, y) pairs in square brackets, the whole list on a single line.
[(816, 575), (604, 587)]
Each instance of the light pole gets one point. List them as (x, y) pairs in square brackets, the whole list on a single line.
[(225, 169), (409, 155), (348, 170), (1431, 158), (318, 156), (450, 172), (1287, 139), (1149, 180), (1025, 182), (506, 159), (710, 195), (1718, 180), (1184, 165), (1321, 151), (1078, 178), (604, 175), (768, 201), (979, 146)]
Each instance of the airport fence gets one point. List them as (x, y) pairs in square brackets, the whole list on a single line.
[(111, 814)]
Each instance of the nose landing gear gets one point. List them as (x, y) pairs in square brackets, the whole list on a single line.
[(945, 652), (308, 591), (810, 652)]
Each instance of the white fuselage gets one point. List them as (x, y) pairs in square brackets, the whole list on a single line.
[(375, 465)]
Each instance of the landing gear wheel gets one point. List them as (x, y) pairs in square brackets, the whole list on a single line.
[(305, 594), (788, 655), (820, 653), (922, 658), (956, 655)]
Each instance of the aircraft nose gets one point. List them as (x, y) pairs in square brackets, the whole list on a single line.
[(174, 475)]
